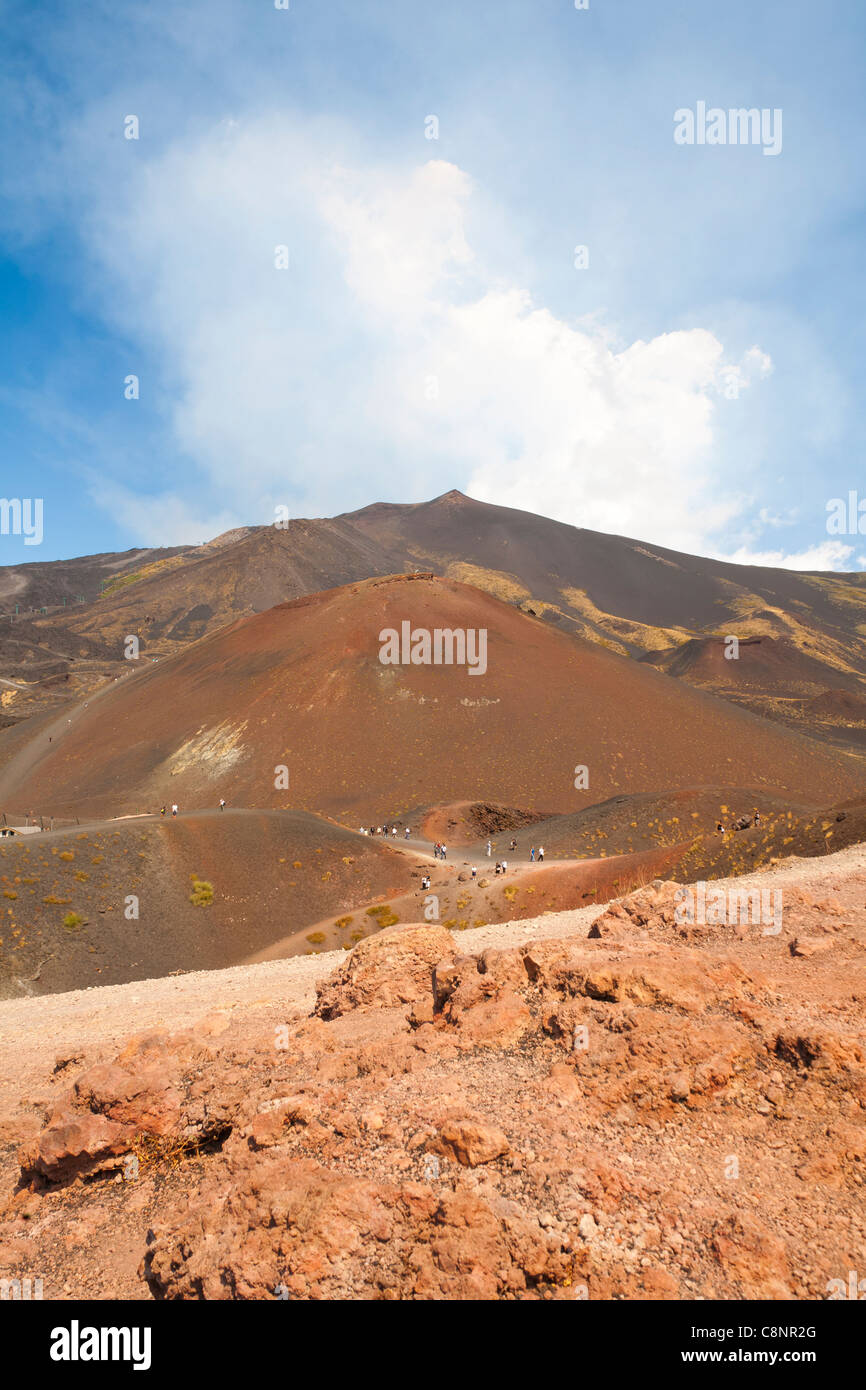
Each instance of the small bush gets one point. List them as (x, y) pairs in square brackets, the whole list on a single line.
[(383, 915), (72, 921), (202, 893), (68, 855)]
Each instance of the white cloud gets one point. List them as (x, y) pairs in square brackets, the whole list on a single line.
[(829, 555), (166, 520), (390, 349)]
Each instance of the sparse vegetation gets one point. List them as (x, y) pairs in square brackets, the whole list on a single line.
[(383, 915)]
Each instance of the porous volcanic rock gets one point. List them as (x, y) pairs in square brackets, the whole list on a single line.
[(391, 968)]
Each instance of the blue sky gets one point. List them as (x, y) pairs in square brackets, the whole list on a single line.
[(698, 384)]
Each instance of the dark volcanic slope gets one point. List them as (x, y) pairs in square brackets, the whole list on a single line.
[(769, 664), (301, 685), (629, 579), (267, 566), (65, 895), (49, 583), (180, 601)]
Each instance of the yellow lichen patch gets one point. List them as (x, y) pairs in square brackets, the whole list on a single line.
[(496, 582), (757, 618), (122, 581), (643, 635)]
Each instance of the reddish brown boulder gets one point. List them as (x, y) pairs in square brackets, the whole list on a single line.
[(470, 1141), (153, 1090), (75, 1146), (393, 967)]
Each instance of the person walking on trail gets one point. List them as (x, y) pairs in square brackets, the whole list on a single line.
[(513, 844), (406, 836), (222, 804), (489, 847), (443, 852), (174, 808), (474, 871), (162, 812), (540, 855), (498, 868), (532, 855), (505, 866)]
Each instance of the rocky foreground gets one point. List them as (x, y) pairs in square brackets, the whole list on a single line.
[(647, 1109)]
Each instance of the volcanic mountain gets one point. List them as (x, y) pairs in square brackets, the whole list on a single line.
[(294, 708), (630, 596)]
